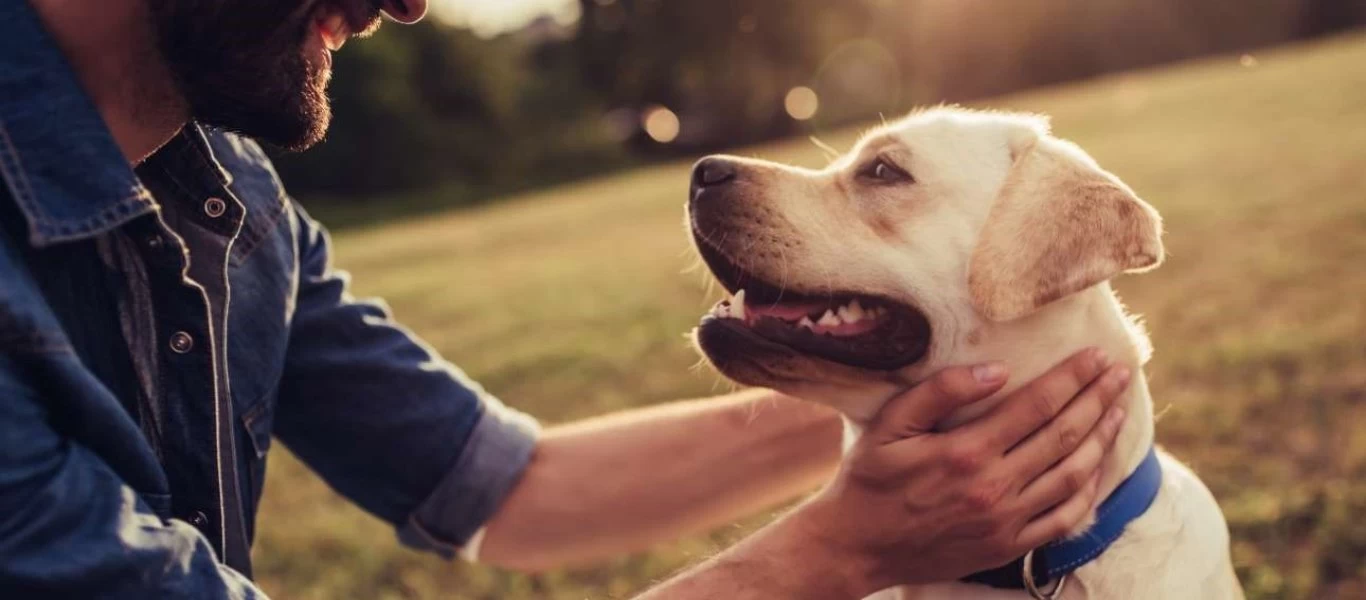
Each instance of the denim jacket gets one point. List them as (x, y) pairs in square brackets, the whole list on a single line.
[(158, 327)]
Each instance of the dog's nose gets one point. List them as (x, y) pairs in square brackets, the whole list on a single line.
[(712, 171)]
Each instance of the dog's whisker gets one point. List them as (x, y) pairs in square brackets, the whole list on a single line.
[(1157, 415), (831, 154), (697, 366), (695, 265)]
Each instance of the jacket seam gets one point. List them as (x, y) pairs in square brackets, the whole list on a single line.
[(14, 172)]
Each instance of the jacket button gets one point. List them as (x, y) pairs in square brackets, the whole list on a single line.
[(215, 207), (199, 520), (181, 342), (155, 241)]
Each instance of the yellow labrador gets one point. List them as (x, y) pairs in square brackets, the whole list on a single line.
[(954, 237)]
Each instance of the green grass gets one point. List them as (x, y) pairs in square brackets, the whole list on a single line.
[(573, 301)]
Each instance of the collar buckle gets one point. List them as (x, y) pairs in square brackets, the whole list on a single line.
[(1027, 574)]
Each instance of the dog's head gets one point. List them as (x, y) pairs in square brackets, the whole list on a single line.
[(856, 280)]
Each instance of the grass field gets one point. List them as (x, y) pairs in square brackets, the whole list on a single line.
[(573, 301)]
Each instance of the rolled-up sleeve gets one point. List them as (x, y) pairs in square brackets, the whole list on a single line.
[(385, 420), (495, 454)]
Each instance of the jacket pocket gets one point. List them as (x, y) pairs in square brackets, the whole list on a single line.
[(258, 420), (257, 423)]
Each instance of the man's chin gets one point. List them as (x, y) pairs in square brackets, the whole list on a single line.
[(282, 103), (253, 67), (309, 116), (290, 136), (293, 126), (302, 136)]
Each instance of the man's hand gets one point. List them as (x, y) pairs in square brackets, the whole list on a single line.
[(912, 506)]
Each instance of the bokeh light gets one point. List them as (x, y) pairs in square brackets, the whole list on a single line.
[(661, 124), (801, 103)]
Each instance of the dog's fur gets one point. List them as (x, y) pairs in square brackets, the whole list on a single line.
[(1005, 241)]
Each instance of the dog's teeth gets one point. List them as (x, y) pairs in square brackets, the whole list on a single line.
[(727, 310), (738, 304), (829, 319), (806, 322), (851, 313)]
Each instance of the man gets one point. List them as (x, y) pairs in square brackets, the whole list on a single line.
[(165, 309)]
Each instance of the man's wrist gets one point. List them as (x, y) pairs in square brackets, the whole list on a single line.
[(800, 556), (814, 533)]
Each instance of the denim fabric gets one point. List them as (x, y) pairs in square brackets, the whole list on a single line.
[(159, 327)]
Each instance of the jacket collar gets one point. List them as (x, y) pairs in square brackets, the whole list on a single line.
[(57, 157)]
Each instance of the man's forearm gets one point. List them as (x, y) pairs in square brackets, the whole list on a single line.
[(623, 482), (784, 560)]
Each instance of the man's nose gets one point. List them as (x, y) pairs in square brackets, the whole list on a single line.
[(404, 11), (713, 171)]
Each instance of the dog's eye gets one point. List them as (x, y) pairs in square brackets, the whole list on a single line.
[(885, 172)]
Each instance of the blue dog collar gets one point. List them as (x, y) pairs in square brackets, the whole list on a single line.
[(1060, 558)]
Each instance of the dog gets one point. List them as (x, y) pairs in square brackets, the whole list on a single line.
[(953, 237)]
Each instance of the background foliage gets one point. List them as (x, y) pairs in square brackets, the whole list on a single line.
[(433, 115)]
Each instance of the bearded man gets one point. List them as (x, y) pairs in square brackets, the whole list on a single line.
[(166, 310)]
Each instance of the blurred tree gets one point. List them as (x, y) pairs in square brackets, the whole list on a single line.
[(436, 106), (724, 67), (1320, 17)]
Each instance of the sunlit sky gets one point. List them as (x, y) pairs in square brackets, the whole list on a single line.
[(489, 17)]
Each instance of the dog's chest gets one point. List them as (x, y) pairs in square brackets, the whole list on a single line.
[(1177, 549)]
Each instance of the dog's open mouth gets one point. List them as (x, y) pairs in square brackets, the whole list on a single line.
[(855, 329)]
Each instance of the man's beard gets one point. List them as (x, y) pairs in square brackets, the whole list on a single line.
[(241, 66)]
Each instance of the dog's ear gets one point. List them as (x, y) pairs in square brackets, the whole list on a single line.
[(1060, 224)]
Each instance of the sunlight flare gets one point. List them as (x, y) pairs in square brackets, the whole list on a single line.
[(661, 124), (801, 103)]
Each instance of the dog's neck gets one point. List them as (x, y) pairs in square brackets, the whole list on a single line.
[(1032, 345)]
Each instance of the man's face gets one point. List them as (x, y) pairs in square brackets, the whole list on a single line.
[(261, 67)]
